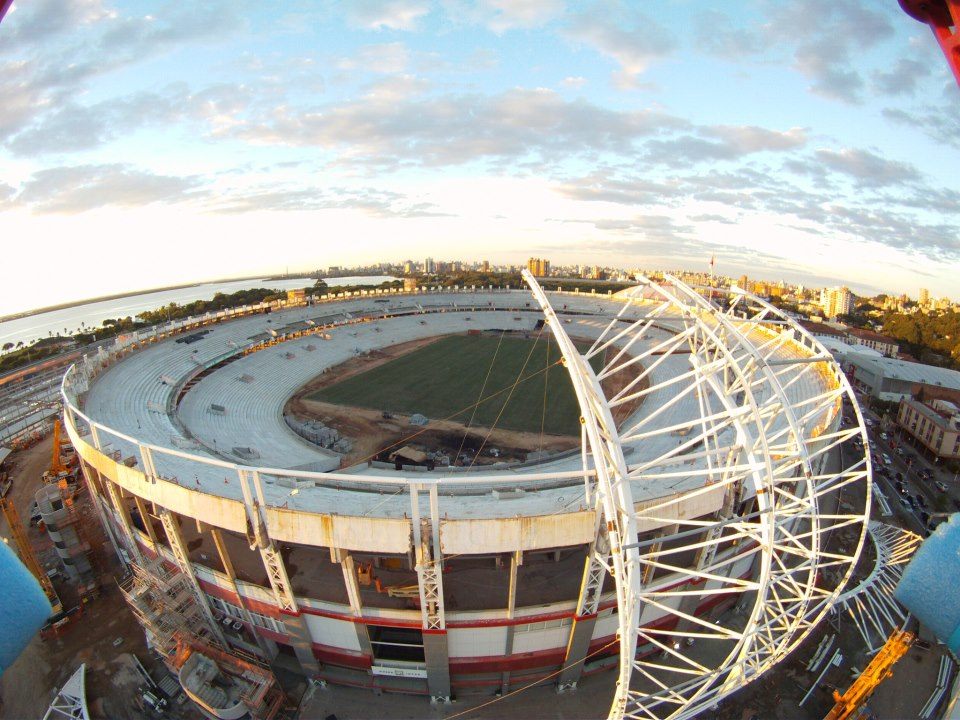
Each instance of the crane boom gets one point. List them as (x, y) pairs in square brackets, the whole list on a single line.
[(875, 673), (943, 17), (27, 555)]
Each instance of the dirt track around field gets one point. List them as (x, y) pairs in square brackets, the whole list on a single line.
[(375, 436)]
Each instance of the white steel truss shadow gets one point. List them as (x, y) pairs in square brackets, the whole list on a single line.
[(871, 604), (738, 403)]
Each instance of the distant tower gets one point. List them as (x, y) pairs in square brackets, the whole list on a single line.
[(924, 297), (538, 267), (836, 301)]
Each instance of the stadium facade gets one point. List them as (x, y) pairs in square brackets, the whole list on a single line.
[(691, 544)]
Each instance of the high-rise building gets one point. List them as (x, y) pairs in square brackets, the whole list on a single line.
[(836, 301), (408, 267), (743, 282), (924, 297), (485, 266), (429, 266), (538, 267)]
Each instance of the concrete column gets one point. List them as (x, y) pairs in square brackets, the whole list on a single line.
[(516, 559), (353, 593), (268, 651), (95, 486), (145, 516), (116, 498), (426, 539), (182, 557), (297, 630)]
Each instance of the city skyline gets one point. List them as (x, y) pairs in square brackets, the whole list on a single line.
[(146, 148)]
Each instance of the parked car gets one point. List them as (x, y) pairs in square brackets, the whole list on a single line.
[(886, 459), (940, 486)]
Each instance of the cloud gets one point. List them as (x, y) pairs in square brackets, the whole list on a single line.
[(80, 188), (574, 81), (825, 38), (903, 78), (36, 84), (71, 127), (625, 34), (386, 58), (828, 35), (372, 201), (651, 227), (386, 14), (40, 21), (501, 16), (516, 124), (722, 142), (716, 34), (942, 126), (867, 169)]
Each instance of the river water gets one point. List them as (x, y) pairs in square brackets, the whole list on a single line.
[(68, 320)]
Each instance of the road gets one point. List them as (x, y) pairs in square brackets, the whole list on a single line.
[(908, 466)]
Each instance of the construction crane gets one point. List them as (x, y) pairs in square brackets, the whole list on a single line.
[(943, 17), (880, 668), (27, 555), (57, 466), (56, 463)]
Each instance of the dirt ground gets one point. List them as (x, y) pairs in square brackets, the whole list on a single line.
[(374, 436), (103, 637)]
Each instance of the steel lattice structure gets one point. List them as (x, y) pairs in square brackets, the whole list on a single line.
[(793, 501), (871, 604)]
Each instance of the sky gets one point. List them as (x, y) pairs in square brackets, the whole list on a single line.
[(150, 144)]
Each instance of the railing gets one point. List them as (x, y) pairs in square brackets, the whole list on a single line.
[(474, 483)]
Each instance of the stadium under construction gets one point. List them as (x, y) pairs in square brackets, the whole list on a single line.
[(698, 526)]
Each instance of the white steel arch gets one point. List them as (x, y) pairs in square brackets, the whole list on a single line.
[(793, 520)]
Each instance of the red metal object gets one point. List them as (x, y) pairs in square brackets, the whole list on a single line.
[(4, 6), (943, 17)]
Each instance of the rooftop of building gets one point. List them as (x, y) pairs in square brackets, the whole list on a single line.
[(907, 371), (821, 329), (871, 335)]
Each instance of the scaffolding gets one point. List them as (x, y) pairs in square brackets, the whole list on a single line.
[(164, 603)]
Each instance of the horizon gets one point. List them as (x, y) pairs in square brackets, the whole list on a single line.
[(85, 300), (146, 148)]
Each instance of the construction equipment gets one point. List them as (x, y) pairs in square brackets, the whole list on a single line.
[(943, 17), (849, 704), (27, 555), (63, 461)]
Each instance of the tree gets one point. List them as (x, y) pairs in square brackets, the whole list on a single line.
[(7, 346)]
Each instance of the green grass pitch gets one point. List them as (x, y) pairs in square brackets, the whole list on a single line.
[(446, 376)]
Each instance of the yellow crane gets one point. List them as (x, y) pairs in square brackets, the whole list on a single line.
[(27, 555), (879, 669)]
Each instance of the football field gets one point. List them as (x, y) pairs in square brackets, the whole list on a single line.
[(444, 381)]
